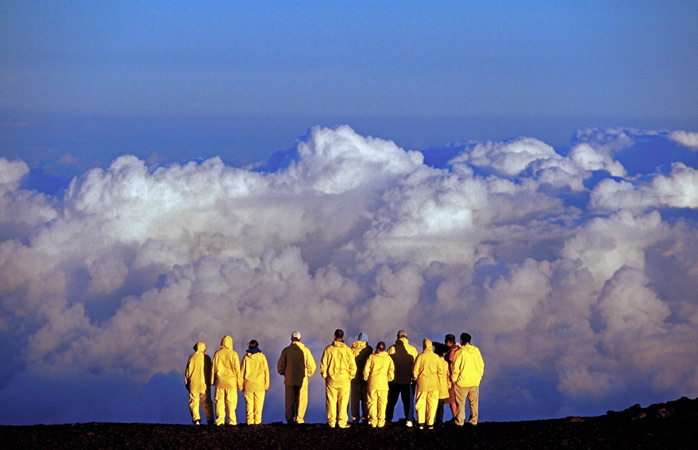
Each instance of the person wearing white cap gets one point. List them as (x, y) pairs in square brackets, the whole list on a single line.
[(403, 354), (296, 364)]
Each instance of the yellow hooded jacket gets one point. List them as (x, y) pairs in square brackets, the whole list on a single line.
[(295, 363), (403, 355), (255, 372), (198, 371), (427, 369), (226, 366), (337, 365), (379, 370), (468, 367), (361, 351)]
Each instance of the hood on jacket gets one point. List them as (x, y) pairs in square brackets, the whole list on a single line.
[(200, 347), (359, 344), (227, 342), (428, 345)]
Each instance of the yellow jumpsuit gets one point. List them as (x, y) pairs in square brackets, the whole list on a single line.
[(197, 379), (427, 371), (255, 382), (296, 364), (337, 367), (226, 377), (379, 370)]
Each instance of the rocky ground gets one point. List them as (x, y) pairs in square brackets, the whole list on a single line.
[(672, 425)]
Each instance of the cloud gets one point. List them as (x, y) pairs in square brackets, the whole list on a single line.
[(117, 277), (689, 139)]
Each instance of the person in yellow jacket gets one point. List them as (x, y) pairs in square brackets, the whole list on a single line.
[(197, 379), (296, 364), (444, 390), (427, 371), (359, 388), (403, 354), (337, 367), (378, 372), (255, 382), (227, 379), (466, 372)]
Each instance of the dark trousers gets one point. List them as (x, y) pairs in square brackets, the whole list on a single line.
[(407, 392)]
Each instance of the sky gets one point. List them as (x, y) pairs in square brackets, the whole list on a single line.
[(527, 173)]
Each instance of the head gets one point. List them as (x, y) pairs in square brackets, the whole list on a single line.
[(401, 334), (450, 340), (363, 337), (427, 345), (200, 347), (295, 336), (253, 344), (380, 347), (464, 338), (338, 334), (227, 342)]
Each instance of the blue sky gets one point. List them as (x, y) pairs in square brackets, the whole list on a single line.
[(241, 80), (527, 173)]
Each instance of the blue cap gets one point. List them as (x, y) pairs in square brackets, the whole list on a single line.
[(363, 337)]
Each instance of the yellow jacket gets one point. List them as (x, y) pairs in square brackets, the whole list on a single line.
[(403, 355), (468, 367), (361, 351), (226, 366), (427, 369), (379, 370), (337, 365), (197, 374), (295, 363), (255, 372), (444, 380)]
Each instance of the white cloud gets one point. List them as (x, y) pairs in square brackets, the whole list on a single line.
[(687, 138), (133, 265)]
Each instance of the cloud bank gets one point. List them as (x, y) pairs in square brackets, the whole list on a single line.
[(576, 276)]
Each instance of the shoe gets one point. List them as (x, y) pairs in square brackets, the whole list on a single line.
[(421, 426), (431, 427), (408, 424), (343, 426), (197, 422)]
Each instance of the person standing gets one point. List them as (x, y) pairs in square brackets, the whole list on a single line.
[(378, 372), (466, 372), (227, 379), (403, 354), (197, 379), (444, 387), (449, 352), (359, 388), (296, 364), (427, 370), (337, 368), (255, 382)]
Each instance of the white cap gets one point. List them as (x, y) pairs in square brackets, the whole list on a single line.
[(296, 335)]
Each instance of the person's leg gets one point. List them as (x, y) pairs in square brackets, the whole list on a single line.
[(208, 406), (393, 394), (373, 408), (220, 406), (355, 402), (194, 407), (249, 407), (291, 396), (343, 405), (331, 404), (432, 403), (382, 404), (421, 406), (258, 406), (302, 401), (474, 399), (231, 401), (364, 402), (413, 393), (461, 394), (439, 419)]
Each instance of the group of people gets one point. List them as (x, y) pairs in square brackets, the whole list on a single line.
[(374, 380)]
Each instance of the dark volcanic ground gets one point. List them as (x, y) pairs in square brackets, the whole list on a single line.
[(669, 426)]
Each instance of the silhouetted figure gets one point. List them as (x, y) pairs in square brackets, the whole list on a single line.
[(197, 379), (296, 364), (403, 355), (359, 387)]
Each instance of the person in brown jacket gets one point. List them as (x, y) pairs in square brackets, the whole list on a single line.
[(296, 364)]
